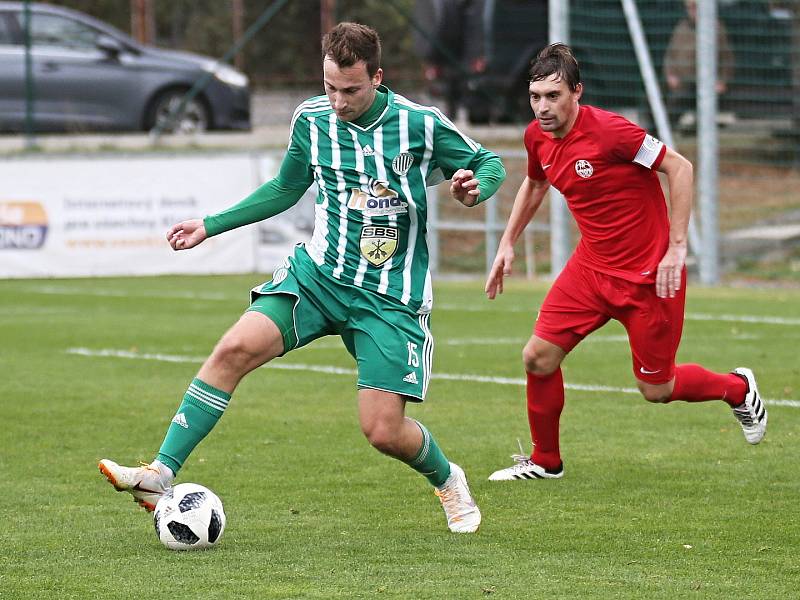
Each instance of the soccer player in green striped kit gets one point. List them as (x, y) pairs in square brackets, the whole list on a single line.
[(363, 276)]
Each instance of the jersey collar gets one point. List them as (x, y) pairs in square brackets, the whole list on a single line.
[(375, 113)]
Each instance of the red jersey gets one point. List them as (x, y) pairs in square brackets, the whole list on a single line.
[(605, 168)]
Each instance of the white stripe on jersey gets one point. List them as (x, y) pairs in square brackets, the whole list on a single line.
[(427, 291), (413, 217), (363, 180), (427, 352), (380, 169), (319, 242), (442, 117), (336, 165), (311, 105), (648, 151)]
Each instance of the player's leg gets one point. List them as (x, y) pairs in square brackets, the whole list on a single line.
[(252, 341), (570, 311), (654, 328), (383, 421), (394, 350)]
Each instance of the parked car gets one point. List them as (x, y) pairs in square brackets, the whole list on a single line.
[(88, 75)]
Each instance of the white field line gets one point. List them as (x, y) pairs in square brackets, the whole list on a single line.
[(59, 290), (690, 316), (331, 370)]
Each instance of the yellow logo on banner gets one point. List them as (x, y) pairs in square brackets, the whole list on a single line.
[(378, 244)]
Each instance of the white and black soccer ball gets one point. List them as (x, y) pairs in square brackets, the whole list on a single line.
[(189, 517)]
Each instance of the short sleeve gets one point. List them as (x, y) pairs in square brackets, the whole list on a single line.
[(535, 170), (631, 143)]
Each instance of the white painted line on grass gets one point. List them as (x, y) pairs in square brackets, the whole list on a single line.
[(690, 316), (331, 370)]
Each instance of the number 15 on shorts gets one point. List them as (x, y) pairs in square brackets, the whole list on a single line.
[(413, 357)]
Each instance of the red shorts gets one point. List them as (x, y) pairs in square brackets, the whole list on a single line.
[(583, 300)]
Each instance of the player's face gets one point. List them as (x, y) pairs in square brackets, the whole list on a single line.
[(554, 104), (350, 89)]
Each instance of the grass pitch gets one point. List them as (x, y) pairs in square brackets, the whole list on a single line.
[(656, 502)]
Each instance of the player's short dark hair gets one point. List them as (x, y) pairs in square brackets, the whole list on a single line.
[(348, 43), (556, 59)]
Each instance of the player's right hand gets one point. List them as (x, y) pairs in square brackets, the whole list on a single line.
[(500, 268), (186, 234)]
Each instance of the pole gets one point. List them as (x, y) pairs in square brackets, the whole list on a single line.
[(30, 139), (708, 139), (653, 91), (560, 244)]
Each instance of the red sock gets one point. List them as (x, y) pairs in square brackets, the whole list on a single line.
[(693, 383), (545, 401)]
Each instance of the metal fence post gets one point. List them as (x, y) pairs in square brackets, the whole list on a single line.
[(560, 245), (708, 150)]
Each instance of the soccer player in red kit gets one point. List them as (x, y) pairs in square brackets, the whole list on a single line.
[(629, 264)]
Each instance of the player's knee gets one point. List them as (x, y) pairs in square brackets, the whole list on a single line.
[(537, 363), (658, 394), (381, 437), (234, 351)]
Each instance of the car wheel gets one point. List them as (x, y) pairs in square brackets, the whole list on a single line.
[(194, 118)]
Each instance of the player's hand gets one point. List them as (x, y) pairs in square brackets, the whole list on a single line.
[(186, 234), (464, 187), (670, 271), (500, 269)]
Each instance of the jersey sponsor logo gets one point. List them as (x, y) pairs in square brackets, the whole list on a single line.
[(376, 199), (584, 168), (402, 163), (378, 244), (23, 225)]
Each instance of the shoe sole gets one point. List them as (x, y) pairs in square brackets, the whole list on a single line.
[(149, 507)]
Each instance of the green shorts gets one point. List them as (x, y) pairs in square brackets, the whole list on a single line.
[(392, 345)]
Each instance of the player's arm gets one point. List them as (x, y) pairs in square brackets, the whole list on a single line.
[(273, 197), (475, 173), (480, 180), (680, 178), (527, 201)]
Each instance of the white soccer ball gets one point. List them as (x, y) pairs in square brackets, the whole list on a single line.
[(189, 517)]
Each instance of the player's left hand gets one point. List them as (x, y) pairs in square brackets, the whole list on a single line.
[(670, 271), (464, 187)]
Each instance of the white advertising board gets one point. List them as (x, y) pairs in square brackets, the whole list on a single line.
[(97, 215)]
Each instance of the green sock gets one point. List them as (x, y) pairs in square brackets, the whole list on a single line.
[(430, 461), (200, 410)]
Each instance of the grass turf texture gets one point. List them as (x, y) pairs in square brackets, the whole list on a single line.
[(657, 501)]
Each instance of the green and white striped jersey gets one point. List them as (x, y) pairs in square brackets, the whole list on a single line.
[(371, 211)]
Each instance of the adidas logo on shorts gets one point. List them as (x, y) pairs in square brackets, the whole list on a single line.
[(411, 378)]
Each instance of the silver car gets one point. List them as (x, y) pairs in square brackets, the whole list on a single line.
[(87, 75)]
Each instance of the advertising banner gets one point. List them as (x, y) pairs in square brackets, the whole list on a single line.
[(98, 215)]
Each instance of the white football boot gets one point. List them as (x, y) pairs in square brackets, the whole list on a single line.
[(463, 515), (752, 413), (146, 483), (526, 469)]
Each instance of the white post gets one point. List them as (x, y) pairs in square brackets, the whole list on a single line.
[(560, 245), (654, 97), (708, 139)]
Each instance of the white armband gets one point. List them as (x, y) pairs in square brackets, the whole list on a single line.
[(648, 151)]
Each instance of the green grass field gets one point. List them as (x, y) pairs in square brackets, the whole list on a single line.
[(657, 501)]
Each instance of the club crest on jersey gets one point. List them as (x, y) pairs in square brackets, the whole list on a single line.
[(378, 244), (376, 199), (402, 163), (584, 168)]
